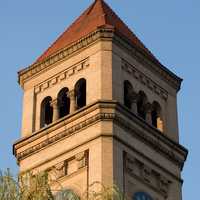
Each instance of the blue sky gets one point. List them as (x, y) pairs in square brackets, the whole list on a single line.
[(170, 29)]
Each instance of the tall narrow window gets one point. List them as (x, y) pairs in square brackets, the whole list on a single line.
[(46, 112), (80, 91), (156, 116), (142, 99), (63, 103), (128, 89)]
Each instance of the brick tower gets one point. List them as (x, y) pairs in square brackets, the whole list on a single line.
[(98, 106)]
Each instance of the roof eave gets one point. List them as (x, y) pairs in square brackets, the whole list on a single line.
[(176, 79), (101, 32)]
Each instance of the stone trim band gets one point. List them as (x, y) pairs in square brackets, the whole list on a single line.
[(116, 118)]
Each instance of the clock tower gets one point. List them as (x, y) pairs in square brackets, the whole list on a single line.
[(98, 106)]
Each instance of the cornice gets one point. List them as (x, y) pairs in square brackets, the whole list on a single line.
[(152, 131), (152, 137), (106, 34), (152, 64), (39, 67)]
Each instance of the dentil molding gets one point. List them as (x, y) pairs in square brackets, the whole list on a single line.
[(70, 71), (145, 80)]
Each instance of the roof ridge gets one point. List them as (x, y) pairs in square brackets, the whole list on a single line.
[(98, 14), (103, 4), (91, 7), (141, 44), (103, 11)]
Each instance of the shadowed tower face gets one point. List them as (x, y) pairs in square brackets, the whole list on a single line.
[(98, 106)]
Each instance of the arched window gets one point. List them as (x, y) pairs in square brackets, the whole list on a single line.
[(128, 89), (156, 116), (142, 196), (141, 101), (46, 115), (80, 91), (63, 103)]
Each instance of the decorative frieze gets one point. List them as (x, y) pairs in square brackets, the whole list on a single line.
[(68, 166), (147, 175), (81, 159), (145, 80), (70, 71), (60, 170)]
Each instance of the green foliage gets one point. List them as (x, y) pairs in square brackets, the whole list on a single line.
[(37, 187), (97, 191), (9, 189), (28, 187)]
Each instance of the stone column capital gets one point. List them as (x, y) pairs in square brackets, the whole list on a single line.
[(54, 103), (133, 100), (71, 94), (148, 107), (133, 96)]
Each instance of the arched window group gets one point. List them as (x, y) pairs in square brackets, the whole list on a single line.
[(65, 103), (138, 103), (69, 101)]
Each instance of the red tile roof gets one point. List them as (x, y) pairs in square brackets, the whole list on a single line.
[(99, 14)]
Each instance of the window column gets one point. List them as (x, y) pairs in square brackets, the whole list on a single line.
[(54, 104), (148, 110), (71, 94), (133, 97)]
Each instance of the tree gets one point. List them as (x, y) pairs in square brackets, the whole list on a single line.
[(9, 189), (29, 186)]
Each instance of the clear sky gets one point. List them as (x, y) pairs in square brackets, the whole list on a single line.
[(170, 29)]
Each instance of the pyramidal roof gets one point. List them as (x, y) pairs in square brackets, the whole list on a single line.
[(98, 15)]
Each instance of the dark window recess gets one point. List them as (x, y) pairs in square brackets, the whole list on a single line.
[(46, 112), (156, 113), (154, 116), (141, 105), (127, 94), (80, 89), (63, 103)]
